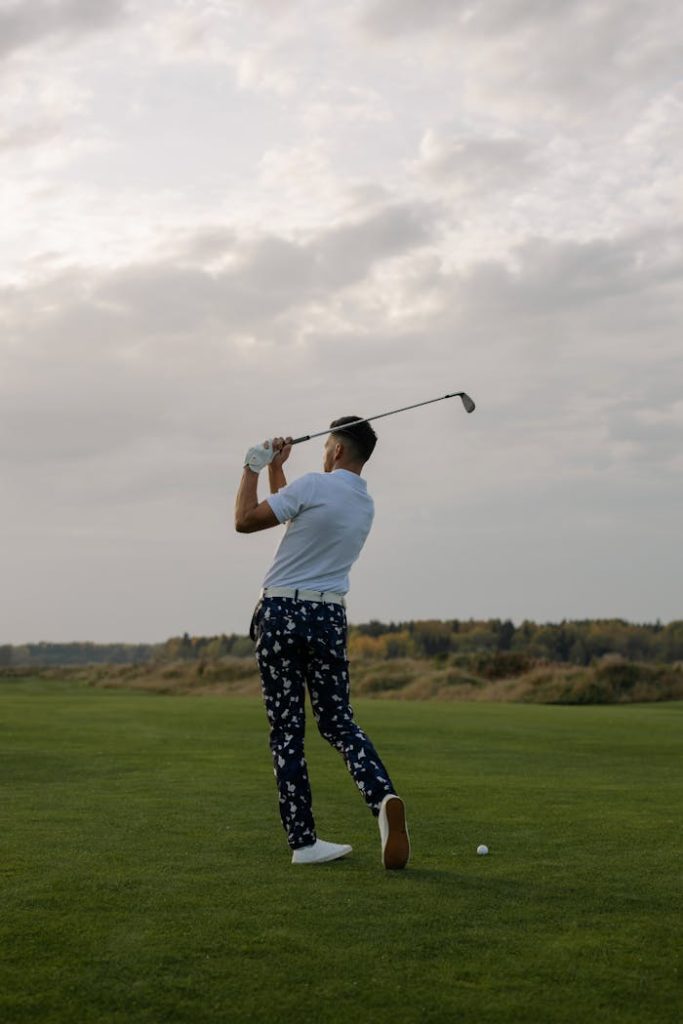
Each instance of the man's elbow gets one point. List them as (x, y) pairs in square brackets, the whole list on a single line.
[(252, 520)]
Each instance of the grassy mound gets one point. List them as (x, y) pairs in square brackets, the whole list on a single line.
[(612, 681), (487, 678)]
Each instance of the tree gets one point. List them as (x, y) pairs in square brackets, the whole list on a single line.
[(506, 635)]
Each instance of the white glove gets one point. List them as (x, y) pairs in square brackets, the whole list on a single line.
[(258, 457)]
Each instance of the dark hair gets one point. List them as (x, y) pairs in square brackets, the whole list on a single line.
[(360, 438)]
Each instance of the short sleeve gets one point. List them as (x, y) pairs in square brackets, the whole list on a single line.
[(290, 500)]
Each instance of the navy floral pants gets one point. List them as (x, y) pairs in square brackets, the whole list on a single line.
[(302, 644)]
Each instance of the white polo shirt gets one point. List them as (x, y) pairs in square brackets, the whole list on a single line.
[(328, 518)]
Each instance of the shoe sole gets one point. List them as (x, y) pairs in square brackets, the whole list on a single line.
[(396, 850), (323, 860)]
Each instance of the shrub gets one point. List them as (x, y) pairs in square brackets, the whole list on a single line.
[(502, 664), (393, 675)]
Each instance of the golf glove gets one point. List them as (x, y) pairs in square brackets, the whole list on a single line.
[(258, 457)]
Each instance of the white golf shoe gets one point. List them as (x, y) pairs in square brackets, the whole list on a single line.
[(320, 852), (393, 832)]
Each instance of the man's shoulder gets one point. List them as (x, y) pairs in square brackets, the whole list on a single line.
[(303, 480), (331, 484), (302, 488), (307, 481)]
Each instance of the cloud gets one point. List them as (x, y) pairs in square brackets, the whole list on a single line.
[(24, 25), (650, 432), (551, 335), (38, 106), (266, 69), (571, 349), (509, 49), (475, 164), (399, 17), (29, 135), (267, 275), (96, 361)]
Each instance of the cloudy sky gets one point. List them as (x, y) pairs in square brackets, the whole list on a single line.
[(227, 220)]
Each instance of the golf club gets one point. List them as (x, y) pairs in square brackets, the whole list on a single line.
[(466, 401)]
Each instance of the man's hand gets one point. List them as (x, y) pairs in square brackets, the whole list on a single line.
[(282, 446), (260, 456)]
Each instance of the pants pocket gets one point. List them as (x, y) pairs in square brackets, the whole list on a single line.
[(255, 622)]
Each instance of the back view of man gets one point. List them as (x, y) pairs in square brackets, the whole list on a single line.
[(300, 630)]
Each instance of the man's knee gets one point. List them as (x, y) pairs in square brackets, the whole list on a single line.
[(335, 728), (287, 741)]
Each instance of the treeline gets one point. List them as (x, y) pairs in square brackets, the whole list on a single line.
[(43, 655), (572, 642), (185, 647)]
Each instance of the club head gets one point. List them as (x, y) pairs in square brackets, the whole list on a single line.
[(467, 402)]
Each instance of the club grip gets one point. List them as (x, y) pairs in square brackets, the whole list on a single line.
[(298, 440)]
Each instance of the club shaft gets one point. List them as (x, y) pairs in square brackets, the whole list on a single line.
[(379, 416)]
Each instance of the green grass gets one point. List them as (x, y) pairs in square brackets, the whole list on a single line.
[(145, 876)]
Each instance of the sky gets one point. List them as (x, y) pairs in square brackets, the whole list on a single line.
[(225, 221)]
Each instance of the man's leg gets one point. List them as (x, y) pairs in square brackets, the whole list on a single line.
[(328, 683), (281, 659)]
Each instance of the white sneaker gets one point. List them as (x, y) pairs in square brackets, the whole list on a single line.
[(393, 832), (320, 852)]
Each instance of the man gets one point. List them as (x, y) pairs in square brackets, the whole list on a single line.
[(300, 629)]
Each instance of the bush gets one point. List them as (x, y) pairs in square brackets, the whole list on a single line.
[(502, 664), (393, 675)]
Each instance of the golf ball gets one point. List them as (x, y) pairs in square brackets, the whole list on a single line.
[(482, 850)]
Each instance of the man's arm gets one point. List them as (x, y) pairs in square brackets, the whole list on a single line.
[(250, 515), (276, 474), (276, 477)]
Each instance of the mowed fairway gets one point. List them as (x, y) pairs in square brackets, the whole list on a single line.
[(145, 876)]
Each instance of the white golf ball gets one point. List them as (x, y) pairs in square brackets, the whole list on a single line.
[(482, 850)]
